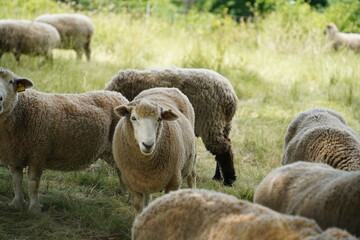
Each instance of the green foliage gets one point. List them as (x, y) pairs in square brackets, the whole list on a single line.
[(279, 64)]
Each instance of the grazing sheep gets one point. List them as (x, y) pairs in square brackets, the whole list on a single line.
[(208, 215), (350, 40), (322, 135), (63, 132), (212, 96), (76, 31), (27, 37), (154, 143), (329, 196)]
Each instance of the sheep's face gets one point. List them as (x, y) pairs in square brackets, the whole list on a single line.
[(331, 29), (10, 84), (146, 119)]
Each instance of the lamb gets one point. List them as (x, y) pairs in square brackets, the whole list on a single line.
[(201, 214), (350, 40), (62, 132), (76, 31), (154, 143), (212, 96), (27, 37), (314, 190), (322, 135)]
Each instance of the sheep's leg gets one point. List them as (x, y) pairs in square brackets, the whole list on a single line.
[(191, 180), (146, 200), (174, 183), (88, 50), (17, 178), (138, 201), (1, 53), (79, 53), (34, 179), (17, 55), (217, 175), (226, 164)]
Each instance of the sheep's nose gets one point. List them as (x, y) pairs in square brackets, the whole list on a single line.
[(148, 146), (1, 98)]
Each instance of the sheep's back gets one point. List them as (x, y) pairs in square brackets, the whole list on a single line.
[(66, 131), (316, 191), (211, 95), (28, 36)]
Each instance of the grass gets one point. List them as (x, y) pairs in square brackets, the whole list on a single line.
[(279, 67)]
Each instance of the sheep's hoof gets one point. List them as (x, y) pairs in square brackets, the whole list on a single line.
[(16, 205), (229, 182), (217, 178), (35, 209)]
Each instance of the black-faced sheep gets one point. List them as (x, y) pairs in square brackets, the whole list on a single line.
[(329, 196), (27, 37), (322, 135), (76, 31), (154, 143), (212, 96), (350, 40), (208, 215), (63, 132)]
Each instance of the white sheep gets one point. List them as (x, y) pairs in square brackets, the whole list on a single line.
[(63, 132), (350, 40), (27, 37), (329, 196), (322, 135), (76, 31), (154, 143), (212, 96), (208, 215)]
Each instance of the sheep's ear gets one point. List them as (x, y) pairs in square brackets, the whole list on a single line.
[(122, 111), (23, 83), (169, 115)]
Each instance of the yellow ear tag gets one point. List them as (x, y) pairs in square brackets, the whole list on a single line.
[(20, 87)]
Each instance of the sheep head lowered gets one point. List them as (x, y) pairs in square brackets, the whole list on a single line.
[(146, 119), (10, 85)]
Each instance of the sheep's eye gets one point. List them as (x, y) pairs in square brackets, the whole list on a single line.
[(133, 118), (159, 119), (11, 82)]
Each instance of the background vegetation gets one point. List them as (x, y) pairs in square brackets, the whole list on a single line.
[(279, 63)]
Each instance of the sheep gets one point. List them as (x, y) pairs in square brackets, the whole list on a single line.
[(27, 37), (350, 40), (201, 214), (62, 132), (76, 31), (154, 143), (314, 190), (322, 135), (212, 96)]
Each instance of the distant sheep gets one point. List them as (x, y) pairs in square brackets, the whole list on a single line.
[(351, 40), (154, 143), (212, 96), (76, 31), (322, 135), (329, 196), (63, 132), (27, 37), (208, 215)]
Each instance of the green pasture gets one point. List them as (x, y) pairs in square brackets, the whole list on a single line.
[(279, 65)]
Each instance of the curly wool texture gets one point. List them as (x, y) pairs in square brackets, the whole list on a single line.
[(174, 156), (209, 215), (322, 135), (212, 96), (76, 31), (27, 37), (63, 132), (350, 40), (314, 190)]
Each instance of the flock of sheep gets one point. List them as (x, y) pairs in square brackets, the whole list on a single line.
[(144, 124)]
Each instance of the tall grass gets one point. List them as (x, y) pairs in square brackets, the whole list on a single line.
[(279, 66)]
